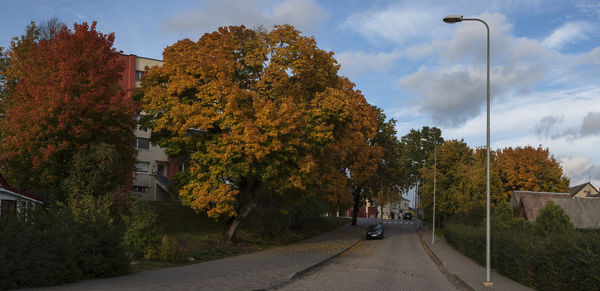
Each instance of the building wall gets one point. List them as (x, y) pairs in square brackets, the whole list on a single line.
[(144, 182)]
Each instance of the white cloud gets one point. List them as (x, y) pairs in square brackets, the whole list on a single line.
[(580, 169), (396, 23), (567, 33), (355, 63), (305, 15)]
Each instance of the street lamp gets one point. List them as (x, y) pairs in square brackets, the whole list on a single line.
[(488, 279), (434, 181)]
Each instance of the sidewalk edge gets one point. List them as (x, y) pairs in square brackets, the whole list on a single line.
[(456, 280), (303, 272)]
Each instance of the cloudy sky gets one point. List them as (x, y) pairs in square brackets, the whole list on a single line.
[(545, 58)]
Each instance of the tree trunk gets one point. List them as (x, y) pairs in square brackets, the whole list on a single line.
[(234, 222), (355, 208)]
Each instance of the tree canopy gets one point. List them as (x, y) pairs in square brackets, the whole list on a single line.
[(61, 95), (530, 169), (259, 113)]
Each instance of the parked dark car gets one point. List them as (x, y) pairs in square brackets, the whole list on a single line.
[(375, 231), (407, 216)]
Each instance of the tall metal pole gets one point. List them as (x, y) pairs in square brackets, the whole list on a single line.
[(488, 263), (488, 273), (434, 180)]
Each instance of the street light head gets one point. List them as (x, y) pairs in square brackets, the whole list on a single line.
[(424, 139), (453, 18)]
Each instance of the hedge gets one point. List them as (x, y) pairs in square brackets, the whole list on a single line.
[(57, 249), (555, 261)]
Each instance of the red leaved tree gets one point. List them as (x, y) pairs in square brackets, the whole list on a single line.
[(64, 97)]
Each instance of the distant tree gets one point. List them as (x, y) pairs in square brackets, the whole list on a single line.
[(417, 151), (261, 116), (391, 176), (454, 157), (461, 180), (62, 96), (553, 219), (530, 169)]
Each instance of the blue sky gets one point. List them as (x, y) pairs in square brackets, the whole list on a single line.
[(545, 77)]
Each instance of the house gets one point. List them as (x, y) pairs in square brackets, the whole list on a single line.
[(584, 212), (584, 190), (14, 202), (394, 209), (153, 170)]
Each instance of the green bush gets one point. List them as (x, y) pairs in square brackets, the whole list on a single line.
[(142, 233), (168, 251), (59, 247), (543, 256)]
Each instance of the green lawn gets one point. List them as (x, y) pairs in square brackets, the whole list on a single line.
[(200, 237)]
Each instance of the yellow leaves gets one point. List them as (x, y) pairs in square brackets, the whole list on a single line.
[(273, 108)]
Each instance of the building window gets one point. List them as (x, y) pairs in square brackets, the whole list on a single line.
[(142, 167), (142, 143), (140, 189), (138, 75)]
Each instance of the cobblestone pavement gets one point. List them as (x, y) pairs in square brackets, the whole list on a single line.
[(468, 270), (260, 270), (397, 262)]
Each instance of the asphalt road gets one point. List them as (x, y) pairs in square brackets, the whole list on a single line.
[(397, 262)]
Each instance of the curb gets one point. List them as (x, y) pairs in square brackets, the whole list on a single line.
[(457, 281), (305, 271)]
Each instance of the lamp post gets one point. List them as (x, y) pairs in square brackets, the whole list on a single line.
[(488, 279), (434, 182)]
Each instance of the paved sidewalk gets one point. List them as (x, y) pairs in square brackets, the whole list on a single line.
[(259, 270), (468, 270)]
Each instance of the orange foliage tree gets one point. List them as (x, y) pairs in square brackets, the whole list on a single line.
[(60, 96), (258, 114), (530, 169)]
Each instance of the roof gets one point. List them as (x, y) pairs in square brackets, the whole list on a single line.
[(516, 196), (583, 212), (575, 189), (4, 184)]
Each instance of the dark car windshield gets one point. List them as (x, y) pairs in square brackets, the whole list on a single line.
[(374, 227)]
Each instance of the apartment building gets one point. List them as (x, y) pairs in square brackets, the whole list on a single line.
[(153, 170)]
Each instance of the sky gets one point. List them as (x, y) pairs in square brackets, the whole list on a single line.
[(545, 58)]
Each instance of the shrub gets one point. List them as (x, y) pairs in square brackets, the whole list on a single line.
[(543, 256), (142, 233), (553, 219), (168, 251), (60, 247)]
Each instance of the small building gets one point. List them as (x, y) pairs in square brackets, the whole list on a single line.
[(584, 190), (14, 202), (395, 209)]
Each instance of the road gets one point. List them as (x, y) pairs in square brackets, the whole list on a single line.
[(397, 262)]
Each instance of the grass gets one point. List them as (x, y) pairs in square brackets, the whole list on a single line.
[(201, 237)]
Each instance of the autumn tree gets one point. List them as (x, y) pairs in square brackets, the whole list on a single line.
[(256, 113), (350, 161), (60, 96), (391, 176), (530, 169)]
